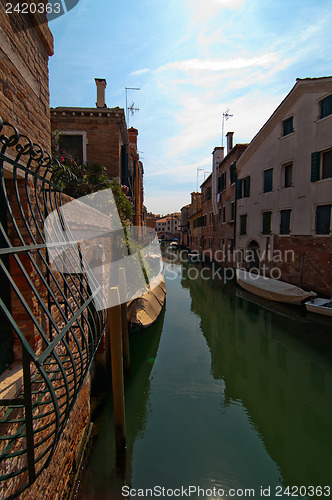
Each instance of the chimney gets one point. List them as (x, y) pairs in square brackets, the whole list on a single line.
[(101, 86), (229, 136)]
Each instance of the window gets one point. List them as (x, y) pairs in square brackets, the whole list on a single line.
[(287, 126), (326, 106), (323, 219), (232, 173), (326, 164), (222, 182), (285, 216), (268, 180), (267, 222), (288, 175), (243, 224), (232, 210), (72, 144), (321, 165), (224, 214), (243, 188)]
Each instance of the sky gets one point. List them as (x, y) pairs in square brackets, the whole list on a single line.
[(192, 60)]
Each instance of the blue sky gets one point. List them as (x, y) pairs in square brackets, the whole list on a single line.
[(192, 60)]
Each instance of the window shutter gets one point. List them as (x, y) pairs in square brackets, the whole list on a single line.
[(267, 222), (247, 193), (326, 106), (323, 219), (239, 189), (232, 173), (315, 164), (285, 221)]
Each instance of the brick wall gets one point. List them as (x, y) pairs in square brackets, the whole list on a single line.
[(24, 91), (56, 481), (24, 102), (312, 265), (105, 133)]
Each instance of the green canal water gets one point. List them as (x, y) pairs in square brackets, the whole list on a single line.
[(224, 393)]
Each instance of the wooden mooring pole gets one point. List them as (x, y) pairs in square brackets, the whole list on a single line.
[(124, 316), (115, 324)]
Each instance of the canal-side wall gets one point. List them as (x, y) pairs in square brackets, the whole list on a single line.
[(57, 481), (310, 265), (24, 102)]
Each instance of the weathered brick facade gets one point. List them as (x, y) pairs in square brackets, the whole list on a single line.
[(310, 265), (24, 90), (24, 102), (106, 134), (137, 177)]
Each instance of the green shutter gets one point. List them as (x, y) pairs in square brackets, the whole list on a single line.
[(239, 189), (326, 106), (323, 219), (247, 192), (232, 173), (315, 164), (243, 224), (267, 222)]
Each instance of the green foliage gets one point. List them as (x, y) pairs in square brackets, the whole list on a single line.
[(90, 178)]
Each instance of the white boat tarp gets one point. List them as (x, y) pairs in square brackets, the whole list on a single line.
[(272, 289), (145, 309)]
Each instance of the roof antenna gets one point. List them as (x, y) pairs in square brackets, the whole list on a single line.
[(225, 116)]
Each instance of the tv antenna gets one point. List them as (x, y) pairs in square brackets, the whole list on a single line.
[(205, 172), (131, 108), (225, 116)]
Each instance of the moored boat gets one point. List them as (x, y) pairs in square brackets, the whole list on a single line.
[(174, 245), (319, 306), (272, 289), (144, 310)]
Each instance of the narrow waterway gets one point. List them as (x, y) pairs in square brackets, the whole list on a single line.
[(224, 393)]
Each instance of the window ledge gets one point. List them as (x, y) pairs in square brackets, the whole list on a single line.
[(287, 135), (323, 180), (11, 381), (324, 118)]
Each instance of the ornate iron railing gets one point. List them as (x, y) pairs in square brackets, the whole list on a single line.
[(49, 312)]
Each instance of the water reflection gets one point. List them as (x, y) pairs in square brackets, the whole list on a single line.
[(225, 391), (266, 363), (105, 473)]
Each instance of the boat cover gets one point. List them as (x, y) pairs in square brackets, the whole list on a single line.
[(144, 310), (272, 289)]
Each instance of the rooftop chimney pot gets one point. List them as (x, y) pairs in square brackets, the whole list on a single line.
[(101, 86), (229, 136)]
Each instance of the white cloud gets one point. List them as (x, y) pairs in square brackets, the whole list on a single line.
[(265, 61), (215, 65), (140, 72), (203, 10)]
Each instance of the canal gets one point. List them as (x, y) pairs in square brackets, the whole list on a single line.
[(224, 393)]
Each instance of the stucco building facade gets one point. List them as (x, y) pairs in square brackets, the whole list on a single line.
[(289, 167)]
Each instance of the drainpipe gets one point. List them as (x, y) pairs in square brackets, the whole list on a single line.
[(235, 212)]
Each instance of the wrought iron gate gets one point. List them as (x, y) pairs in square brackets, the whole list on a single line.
[(49, 313)]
